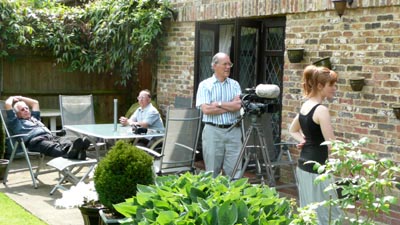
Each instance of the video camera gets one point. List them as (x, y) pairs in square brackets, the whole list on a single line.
[(260, 99), (136, 129)]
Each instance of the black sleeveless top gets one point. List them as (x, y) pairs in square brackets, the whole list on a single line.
[(312, 149)]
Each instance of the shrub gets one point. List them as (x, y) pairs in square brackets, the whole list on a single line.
[(202, 199), (120, 171), (369, 181)]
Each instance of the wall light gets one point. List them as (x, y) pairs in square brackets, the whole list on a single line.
[(340, 6)]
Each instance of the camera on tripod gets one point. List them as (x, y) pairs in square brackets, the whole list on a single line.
[(261, 99)]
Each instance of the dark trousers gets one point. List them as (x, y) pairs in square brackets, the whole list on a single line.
[(49, 145)]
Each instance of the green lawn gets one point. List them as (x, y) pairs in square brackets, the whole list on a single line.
[(12, 213)]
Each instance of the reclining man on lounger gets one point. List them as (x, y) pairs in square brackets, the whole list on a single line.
[(39, 138)]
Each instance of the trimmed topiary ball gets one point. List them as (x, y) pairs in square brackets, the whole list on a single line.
[(120, 171)]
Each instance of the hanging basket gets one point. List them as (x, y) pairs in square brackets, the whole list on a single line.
[(325, 62), (396, 110), (357, 83), (295, 55)]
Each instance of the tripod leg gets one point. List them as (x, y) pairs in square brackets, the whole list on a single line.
[(265, 156), (245, 164), (240, 158)]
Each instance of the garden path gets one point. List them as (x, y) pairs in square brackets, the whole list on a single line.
[(38, 201)]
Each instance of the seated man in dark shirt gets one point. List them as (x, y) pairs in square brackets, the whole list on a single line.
[(39, 138)]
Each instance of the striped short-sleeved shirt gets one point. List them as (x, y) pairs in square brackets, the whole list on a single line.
[(212, 90)]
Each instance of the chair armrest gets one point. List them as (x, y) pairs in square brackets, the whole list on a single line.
[(186, 147), (17, 137), (156, 143), (150, 151)]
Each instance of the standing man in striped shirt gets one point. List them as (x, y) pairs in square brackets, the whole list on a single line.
[(218, 97)]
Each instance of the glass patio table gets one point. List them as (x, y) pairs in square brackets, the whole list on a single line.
[(107, 132)]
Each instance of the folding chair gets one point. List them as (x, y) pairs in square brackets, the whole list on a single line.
[(78, 109), (14, 141), (183, 102), (179, 143), (69, 170)]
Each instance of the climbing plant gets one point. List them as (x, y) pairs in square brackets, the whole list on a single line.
[(98, 36)]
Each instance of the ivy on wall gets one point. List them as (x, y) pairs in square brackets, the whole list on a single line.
[(99, 36)]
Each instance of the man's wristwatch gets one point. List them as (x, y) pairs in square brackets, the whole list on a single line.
[(219, 104)]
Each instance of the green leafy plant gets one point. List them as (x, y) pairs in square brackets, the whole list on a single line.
[(368, 181), (306, 215), (120, 171), (202, 199), (103, 36)]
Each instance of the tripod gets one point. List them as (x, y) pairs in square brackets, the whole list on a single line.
[(258, 153)]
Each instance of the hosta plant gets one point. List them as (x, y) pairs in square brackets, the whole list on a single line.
[(202, 199)]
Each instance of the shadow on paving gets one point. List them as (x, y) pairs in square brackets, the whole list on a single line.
[(38, 201)]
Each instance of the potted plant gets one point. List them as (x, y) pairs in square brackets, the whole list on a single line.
[(370, 181), (2, 140), (295, 55), (117, 175), (84, 196), (357, 83), (396, 110), (3, 162), (3, 167), (202, 199)]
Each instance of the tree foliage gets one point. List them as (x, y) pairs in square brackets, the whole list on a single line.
[(100, 36)]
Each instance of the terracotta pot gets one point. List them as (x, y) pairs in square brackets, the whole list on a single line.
[(295, 55), (3, 167), (357, 83), (396, 110), (325, 62)]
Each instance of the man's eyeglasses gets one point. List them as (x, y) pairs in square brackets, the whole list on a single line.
[(24, 109), (141, 97), (226, 64)]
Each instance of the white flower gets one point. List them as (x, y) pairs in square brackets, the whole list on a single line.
[(78, 195)]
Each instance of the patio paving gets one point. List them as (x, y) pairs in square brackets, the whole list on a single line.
[(38, 201), (41, 204)]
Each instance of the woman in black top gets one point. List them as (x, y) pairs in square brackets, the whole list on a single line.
[(311, 127)]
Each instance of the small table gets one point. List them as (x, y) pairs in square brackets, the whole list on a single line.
[(52, 114)]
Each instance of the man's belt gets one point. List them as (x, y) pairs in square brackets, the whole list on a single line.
[(223, 126)]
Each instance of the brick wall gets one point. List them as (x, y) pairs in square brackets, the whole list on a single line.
[(200, 10), (175, 72), (364, 42)]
